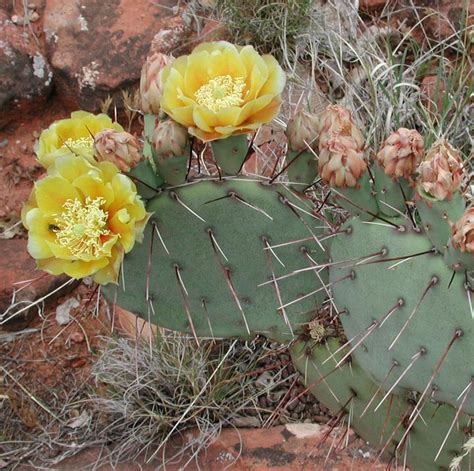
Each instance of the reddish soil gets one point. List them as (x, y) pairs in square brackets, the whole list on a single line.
[(49, 358)]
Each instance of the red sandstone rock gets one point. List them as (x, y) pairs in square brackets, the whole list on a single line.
[(298, 447), (131, 325), (26, 77), (97, 48)]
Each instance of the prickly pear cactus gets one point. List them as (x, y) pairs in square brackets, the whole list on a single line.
[(223, 254)]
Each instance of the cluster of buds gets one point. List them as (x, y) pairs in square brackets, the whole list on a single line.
[(440, 173), (151, 82), (302, 131), (463, 232), (341, 148), (401, 153), (170, 139), (120, 148)]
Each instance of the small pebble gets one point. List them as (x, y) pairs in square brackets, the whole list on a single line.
[(77, 337), (17, 19), (34, 16)]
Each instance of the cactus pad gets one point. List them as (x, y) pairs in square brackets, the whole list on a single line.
[(404, 305), (209, 256), (350, 393)]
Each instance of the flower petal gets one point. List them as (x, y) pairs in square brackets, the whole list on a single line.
[(197, 73), (52, 192), (92, 186), (276, 77)]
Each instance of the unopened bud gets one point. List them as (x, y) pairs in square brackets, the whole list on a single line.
[(120, 148), (170, 138), (302, 131), (151, 81), (401, 153), (440, 174)]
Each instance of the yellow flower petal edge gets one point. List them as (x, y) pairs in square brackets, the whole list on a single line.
[(82, 218), (221, 89), (74, 135)]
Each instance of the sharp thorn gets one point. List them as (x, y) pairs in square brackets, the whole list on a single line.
[(256, 208), (301, 298), (467, 390), (414, 359), (434, 280), (370, 213), (184, 296), (155, 226), (228, 280), (175, 196)]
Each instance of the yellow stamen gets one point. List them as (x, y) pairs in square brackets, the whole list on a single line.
[(80, 143), (80, 227), (221, 92)]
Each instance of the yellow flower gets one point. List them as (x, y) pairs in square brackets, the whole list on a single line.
[(221, 89), (74, 135), (82, 219)]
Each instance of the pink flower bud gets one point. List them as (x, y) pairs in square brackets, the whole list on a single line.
[(463, 232), (151, 82), (401, 153), (441, 171), (121, 148)]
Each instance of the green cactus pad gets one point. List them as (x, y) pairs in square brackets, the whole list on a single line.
[(230, 153), (173, 169), (210, 254), (146, 179), (435, 306), (348, 390), (392, 194), (459, 261), (436, 217), (303, 170), (360, 200)]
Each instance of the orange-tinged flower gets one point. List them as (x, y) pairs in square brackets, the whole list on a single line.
[(440, 173), (82, 219), (341, 148), (401, 153), (74, 135), (338, 120), (221, 89), (463, 232), (341, 161)]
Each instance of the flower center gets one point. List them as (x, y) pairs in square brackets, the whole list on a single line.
[(221, 92), (80, 143), (82, 227)]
